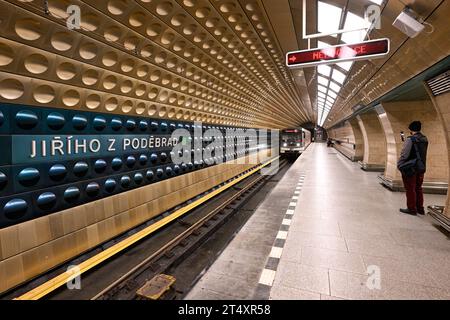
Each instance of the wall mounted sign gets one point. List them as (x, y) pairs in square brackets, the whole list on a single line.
[(29, 149), (334, 54), (54, 159)]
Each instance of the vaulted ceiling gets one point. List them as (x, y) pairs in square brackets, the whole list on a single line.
[(220, 62), (214, 61), (335, 90)]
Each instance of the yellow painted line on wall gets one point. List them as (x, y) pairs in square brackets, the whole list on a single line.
[(90, 263)]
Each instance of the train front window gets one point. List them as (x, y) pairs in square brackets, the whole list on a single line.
[(289, 140)]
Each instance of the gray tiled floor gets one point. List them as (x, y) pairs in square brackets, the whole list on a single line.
[(345, 222), (236, 271)]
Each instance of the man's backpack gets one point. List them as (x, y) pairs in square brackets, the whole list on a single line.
[(413, 166)]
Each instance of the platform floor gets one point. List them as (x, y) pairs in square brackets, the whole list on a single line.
[(330, 231)]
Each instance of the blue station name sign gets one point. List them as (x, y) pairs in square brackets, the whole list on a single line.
[(43, 148), (55, 159)]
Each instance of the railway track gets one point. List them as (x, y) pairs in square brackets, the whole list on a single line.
[(158, 262), (121, 277)]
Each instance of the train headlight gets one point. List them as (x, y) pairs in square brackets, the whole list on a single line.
[(285, 144), (298, 144)]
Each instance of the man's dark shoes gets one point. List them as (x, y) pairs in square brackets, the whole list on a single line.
[(421, 212), (407, 211)]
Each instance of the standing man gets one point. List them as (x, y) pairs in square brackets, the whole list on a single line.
[(413, 183)]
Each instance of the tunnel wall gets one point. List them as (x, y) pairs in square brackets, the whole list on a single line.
[(136, 58), (396, 118), (345, 141), (374, 141), (441, 104), (152, 60), (32, 247), (408, 57), (307, 134), (359, 140)]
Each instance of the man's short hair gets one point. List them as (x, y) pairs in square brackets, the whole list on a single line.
[(415, 126)]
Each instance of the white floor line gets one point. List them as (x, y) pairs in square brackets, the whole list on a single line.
[(276, 252), (282, 235), (267, 277)]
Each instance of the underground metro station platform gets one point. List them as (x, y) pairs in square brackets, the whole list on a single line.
[(242, 150)]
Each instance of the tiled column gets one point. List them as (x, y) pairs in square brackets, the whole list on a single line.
[(395, 117), (359, 140), (374, 158), (441, 104)]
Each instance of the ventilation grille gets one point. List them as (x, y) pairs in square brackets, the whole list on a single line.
[(440, 84)]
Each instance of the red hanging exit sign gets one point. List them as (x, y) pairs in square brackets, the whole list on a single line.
[(340, 53)]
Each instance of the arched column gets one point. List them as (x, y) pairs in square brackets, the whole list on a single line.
[(441, 104), (374, 157), (395, 117), (359, 140)]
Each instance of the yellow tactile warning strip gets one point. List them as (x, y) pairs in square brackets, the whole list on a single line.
[(63, 278)]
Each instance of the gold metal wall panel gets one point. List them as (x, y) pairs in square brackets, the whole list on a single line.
[(168, 59), (441, 104), (374, 139), (33, 247), (368, 81), (397, 117)]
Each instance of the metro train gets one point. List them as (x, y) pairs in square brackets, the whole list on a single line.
[(294, 141)]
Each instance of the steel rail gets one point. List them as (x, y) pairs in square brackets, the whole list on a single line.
[(143, 265), (63, 278)]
